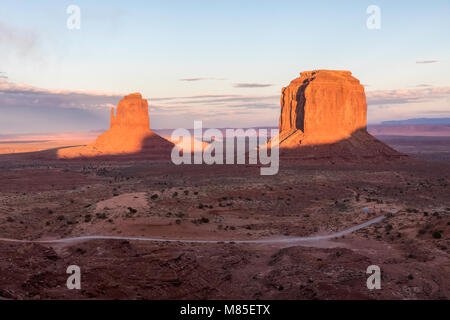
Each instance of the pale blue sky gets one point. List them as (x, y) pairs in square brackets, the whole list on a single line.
[(148, 46)]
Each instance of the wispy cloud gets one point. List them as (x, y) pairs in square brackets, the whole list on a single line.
[(15, 89), (201, 79), (382, 97), (406, 104), (252, 85), (17, 41), (198, 97), (26, 108), (427, 61), (215, 102), (53, 109), (81, 110), (96, 99)]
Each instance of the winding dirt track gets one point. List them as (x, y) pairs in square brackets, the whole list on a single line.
[(262, 241)]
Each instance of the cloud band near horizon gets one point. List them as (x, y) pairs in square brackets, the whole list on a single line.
[(88, 107)]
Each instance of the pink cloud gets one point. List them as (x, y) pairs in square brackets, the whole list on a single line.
[(406, 96)]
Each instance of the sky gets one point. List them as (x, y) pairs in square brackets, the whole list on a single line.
[(223, 62)]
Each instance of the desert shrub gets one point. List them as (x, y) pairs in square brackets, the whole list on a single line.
[(101, 215), (437, 235), (204, 220)]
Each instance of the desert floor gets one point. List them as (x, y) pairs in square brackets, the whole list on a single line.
[(62, 199)]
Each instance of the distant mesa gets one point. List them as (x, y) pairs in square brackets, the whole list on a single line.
[(324, 115), (129, 135), (420, 121)]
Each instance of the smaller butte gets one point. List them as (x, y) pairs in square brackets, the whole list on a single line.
[(129, 135)]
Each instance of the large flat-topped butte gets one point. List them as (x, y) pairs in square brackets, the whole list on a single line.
[(327, 109)]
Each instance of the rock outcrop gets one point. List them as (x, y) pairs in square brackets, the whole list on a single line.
[(132, 112), (324, 115), (129, 135)]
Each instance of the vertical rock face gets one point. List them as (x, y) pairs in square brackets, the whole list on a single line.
[(324, 115), (129, 134), (326, 106), (132, 112)]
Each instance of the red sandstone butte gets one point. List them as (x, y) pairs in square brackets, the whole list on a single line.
[(129, 134), (324, 115)]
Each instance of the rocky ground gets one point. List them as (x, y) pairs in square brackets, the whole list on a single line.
[(60, 199)]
